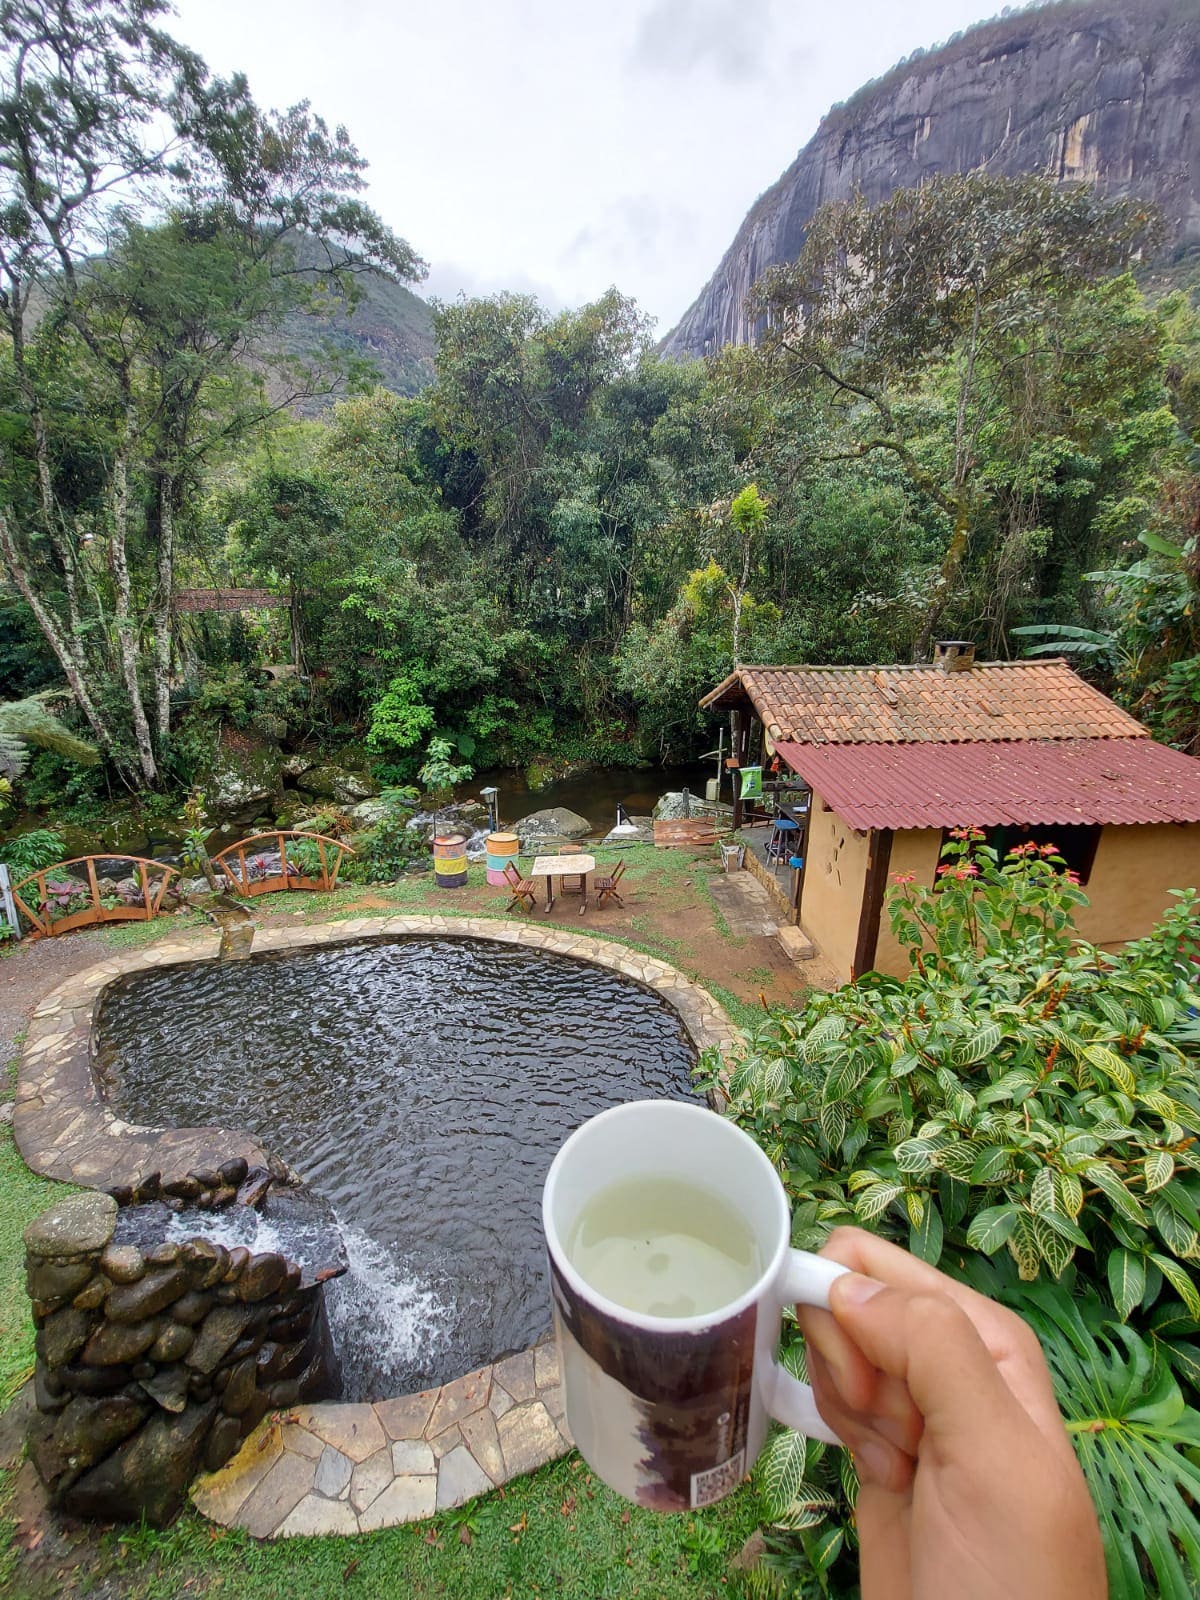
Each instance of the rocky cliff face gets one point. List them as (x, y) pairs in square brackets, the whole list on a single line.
[(1105, 90)]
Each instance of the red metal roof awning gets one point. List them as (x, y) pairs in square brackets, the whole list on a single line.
[(1063, 781)]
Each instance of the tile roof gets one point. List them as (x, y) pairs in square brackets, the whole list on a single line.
[(994, 701), (924, 785)]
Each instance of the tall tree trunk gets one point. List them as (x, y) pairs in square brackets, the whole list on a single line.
[(164, 595), (52, 631), (123, 617)]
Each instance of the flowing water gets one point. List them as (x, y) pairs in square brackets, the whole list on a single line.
[(422, 1086)]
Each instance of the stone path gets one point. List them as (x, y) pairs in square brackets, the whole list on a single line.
[(356, 1468), (745, 905), (325, 1468)]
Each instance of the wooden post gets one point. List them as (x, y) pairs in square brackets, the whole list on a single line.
[(879, 856), (735, 749)]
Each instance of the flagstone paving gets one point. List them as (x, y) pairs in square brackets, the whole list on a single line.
[(348, 1469)]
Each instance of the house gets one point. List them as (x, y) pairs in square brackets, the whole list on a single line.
[(897, 756)]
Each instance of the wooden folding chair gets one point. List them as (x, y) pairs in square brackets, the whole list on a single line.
[(522, 889), (606, 888)]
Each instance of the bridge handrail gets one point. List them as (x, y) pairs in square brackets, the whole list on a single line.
[(44, 924), (232, 861)]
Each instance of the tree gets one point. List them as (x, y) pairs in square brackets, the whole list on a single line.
[(103, 118), (970, 278)]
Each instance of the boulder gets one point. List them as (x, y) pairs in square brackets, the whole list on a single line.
[(637, 830), (295, 766), (337, 783), (675, 804), (555, 823), (149, 1474), (73, 1227), (238, 782), (368, 812)]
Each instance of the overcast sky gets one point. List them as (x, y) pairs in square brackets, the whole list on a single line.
[(558, 146)]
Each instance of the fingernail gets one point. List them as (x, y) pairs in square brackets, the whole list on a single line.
[(854, 1290), (872, 1462)]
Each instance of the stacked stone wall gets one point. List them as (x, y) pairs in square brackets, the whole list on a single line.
[(155, 1360)]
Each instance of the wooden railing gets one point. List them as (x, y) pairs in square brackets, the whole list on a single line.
[(246, 871), (52, 903)]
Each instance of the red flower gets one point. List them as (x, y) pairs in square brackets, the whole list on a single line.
[(1072, 877), (1048, 850), (968, 870), (904, 877), (944, 869), (959, 833)]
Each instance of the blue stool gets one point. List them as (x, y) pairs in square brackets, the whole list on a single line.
[(780, 843)]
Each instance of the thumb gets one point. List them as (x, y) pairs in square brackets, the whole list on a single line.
[(928, 1342)]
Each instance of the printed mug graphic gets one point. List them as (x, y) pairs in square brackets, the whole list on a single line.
[(661, 1417)]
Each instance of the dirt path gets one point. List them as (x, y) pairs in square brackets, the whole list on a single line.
[(31, 969)]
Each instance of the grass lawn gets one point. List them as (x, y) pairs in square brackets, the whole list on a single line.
[(558, 1532)]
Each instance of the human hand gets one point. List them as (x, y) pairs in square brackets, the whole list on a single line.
[(970, 1489)]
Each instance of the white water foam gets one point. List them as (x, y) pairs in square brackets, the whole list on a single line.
[(383, 1312), (386, 1320)]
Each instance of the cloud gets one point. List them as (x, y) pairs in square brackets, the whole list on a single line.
[(729, 38), (633, 228), (448, 279)]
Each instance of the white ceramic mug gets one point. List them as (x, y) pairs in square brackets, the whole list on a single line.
[(672, 1411)]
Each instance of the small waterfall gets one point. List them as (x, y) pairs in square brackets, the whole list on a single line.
[(386, 1322), (233, 918)]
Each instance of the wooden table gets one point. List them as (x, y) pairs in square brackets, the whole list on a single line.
[(560, 867)]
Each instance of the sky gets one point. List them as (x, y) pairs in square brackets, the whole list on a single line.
[(559, 147)]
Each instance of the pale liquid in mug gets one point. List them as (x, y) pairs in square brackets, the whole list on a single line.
[(664, 1247)]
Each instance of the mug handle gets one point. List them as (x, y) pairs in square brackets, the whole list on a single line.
[(805, 1279)]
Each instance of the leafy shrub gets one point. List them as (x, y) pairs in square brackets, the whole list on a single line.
[(1022, 1106), (439, 773), (385, 849), (28, 852)]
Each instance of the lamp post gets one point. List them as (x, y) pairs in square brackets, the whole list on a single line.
[(488, 796)]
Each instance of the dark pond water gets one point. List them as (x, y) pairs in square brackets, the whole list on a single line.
[(594, 795), (423, 1087)]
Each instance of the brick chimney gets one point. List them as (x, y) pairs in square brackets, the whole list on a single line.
[(954, 655)]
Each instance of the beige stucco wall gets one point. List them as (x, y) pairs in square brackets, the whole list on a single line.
[(1135, 869), (833, 886), (914, 850)]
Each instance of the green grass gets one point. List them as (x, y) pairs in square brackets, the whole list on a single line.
[(557, 1533), (23, 1196)]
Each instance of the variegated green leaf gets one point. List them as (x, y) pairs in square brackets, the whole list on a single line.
[(1070, 1193), (992, 1165), (1054, 1250), (1181, 1280), (979, 1046), (1110, 1185), (1023, 1246), (1043, 1196), (872, 1203), (780, 1470), (1173, 1230), (822, 1033), (914, 1156), (1114, 1067), (991, 1228), (806, 1511), (926, 1234), (1158, 1168), (1126, 1280)]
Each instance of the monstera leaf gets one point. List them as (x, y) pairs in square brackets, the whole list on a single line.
[(1136, 1437)]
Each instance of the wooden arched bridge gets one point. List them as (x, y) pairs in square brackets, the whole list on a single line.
[(70, 894)]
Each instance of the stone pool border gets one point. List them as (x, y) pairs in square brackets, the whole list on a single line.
[(334, 1468)]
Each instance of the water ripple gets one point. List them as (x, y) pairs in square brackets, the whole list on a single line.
[(423, 1086)]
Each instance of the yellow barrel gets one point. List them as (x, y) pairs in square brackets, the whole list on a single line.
[(502, 848), (450, 860)]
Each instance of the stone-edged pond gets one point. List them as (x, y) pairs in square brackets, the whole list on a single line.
[(422, 1085)]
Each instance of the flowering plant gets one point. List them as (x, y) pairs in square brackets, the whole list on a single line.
[(981, 903)]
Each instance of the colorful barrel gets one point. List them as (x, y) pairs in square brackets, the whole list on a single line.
[(450, 861), (502, 848)]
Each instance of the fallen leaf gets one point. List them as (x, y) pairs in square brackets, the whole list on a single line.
[(567, 1506), (432, 1536), (464, 1535), (625, 1516), (519, 1527), (349, 1571)]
